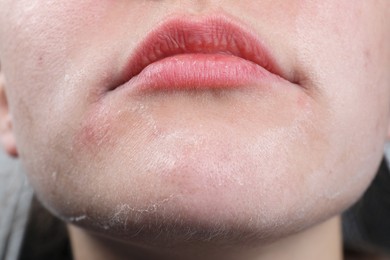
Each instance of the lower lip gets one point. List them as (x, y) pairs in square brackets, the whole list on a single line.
[(199, 72)]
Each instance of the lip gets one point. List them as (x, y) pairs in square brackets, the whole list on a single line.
[(199, 54)]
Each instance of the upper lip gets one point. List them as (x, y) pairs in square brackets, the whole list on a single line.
[(213, 35)]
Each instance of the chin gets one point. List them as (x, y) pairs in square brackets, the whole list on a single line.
[(201, 190)]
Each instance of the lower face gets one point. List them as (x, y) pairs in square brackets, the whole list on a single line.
[(256, 162)]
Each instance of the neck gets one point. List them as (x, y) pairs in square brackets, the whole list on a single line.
[(320, 242)]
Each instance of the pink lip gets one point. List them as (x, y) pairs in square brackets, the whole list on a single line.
[(211, 53)]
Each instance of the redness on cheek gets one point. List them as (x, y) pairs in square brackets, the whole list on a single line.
[(109, 123), (303, 103), (96, 130)]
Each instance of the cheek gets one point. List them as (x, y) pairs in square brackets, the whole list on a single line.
[(346, 59), (96, 129), (43, 38), (105, 128)]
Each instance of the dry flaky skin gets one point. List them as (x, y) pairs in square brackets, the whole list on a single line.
[(225, 167)]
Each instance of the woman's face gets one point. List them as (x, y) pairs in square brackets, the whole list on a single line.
[(260, 158)]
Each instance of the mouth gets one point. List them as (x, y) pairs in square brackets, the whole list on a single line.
[(213, 53)]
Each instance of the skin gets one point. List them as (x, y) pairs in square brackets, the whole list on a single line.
[(209, 169)]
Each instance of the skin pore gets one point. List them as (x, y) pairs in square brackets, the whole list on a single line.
[(250, 171)]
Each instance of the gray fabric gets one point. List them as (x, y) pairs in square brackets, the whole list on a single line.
[(366, 225), (15, 200)]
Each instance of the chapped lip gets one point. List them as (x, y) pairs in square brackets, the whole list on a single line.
[(215, 35)]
